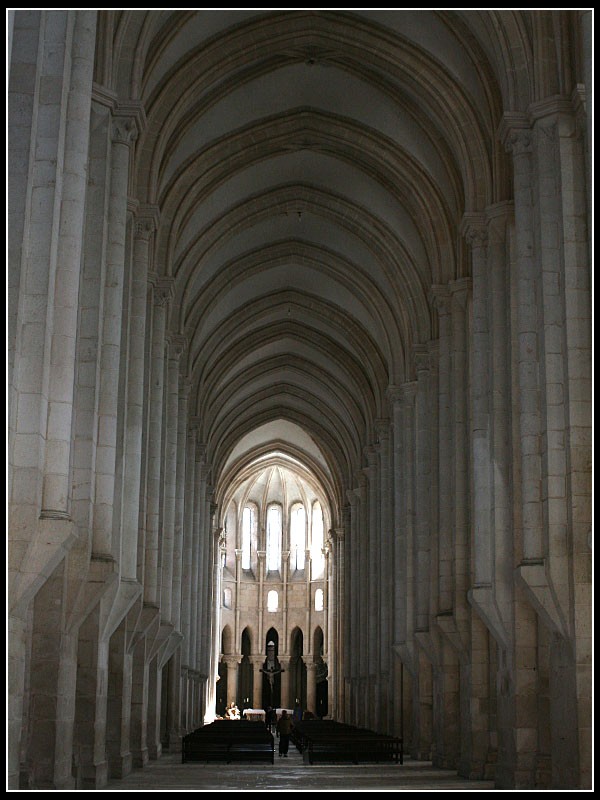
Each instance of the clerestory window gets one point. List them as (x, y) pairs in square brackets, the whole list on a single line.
[(297, 537), (273, 537)]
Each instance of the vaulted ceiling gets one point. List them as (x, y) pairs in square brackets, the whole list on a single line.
[(311, 170)]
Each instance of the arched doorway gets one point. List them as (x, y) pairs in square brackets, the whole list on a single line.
[(246, 673), (297, 669), (321, 695), (271, 669)]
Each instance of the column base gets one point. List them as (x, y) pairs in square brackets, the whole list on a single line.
[(120, 767), (93, 776), (140, 758), (155, 751), (175, 743)]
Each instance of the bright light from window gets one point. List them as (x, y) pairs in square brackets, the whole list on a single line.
[(297, 537), (319, 600), (273, 537), (316, 550), (248, 523), (272, 601)]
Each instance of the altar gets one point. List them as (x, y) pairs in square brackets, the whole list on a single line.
[(254, 714)]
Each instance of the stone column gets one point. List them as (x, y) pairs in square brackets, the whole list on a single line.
[(386, 578), (233, 663), (565, 378), (286, 701), (154, 709), (475, 229), (189, 555), (144, 228), (257, 676), (124, 133), (373, 620), (56, 490), (587, 33), (423, 501), (311, 686), (338, 615), (445, 598), (180, 483), (140, 677), (352, 616), (168, 537), (198, 555), (363, 606), (52, 681), (162, 289)]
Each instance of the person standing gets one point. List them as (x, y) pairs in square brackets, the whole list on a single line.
[(284, 729), (297, 714)]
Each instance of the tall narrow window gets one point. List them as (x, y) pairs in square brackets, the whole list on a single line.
[(248, 524), (273, 537), (297, 537), (319, 600), (316, 550), (272, 601)]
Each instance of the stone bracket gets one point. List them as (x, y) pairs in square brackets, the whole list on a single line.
[(169, 647), (162, 635), (147, 624), (127, 592), (102, 576), (48, 546), (406, 654), (425, 641), (483, 600), (534, 579), (448, 627)]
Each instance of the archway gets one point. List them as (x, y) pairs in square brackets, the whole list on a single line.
[(297, 669), (321, 692), (271, 670), (245, 685)]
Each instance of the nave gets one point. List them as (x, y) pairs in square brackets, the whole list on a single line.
[(169, 774)]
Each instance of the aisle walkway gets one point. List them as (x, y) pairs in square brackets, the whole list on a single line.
[(291, 774)]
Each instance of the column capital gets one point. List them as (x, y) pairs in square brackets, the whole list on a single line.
[(177, 345), (409, 391), (473, 227), (185, 387), (382, 428), (143, 229), (440, 297), (394, 394), (555, 106), (231, 660), (339, 534), (134, 109), (147, 220), (514, 132), (124, 130), (371, 453), (192, 431), (163, 289), (460, 292), (421, 357), (433, 348)]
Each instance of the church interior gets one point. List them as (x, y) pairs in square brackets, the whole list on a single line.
[(299, 384)]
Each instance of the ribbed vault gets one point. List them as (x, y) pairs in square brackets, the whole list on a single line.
[(311, 170)]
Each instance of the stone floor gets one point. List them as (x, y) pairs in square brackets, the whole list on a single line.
[(291, 775)]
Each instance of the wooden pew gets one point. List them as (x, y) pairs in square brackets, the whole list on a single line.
[(327, 740), (229, 741)]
